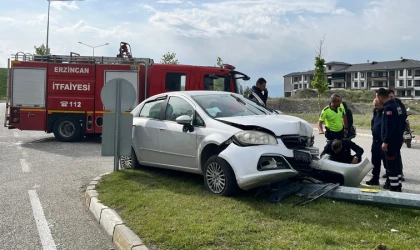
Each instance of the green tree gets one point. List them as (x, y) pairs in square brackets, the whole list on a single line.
[(41, 50), (169, 58), (219, 84), (320, 82), (219, 62), (247, 90)]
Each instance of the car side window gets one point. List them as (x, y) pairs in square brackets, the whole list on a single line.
[(152, 109), (177, 107)]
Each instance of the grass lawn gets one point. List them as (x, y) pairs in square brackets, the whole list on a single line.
[(3, 80), (362, 121), (172, 210)]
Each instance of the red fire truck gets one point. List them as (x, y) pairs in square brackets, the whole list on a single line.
[(61, 93)]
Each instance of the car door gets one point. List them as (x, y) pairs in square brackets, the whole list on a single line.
[(178, 148), (146, 132)]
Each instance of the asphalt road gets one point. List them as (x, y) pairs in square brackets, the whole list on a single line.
[(41, 191)]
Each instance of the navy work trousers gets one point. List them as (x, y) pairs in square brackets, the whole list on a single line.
[(378, 155), (393, 167)]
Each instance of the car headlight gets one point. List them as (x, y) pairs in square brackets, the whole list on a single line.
[(252, 137)]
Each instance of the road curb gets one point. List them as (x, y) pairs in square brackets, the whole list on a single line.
[(122, 236), (369, 135)]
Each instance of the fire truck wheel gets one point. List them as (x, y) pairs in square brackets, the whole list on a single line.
[(66, 129)]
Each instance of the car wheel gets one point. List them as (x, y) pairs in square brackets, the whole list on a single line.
[(219, 177), (129, 162), (408, 142)]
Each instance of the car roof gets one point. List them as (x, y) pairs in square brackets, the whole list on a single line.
[(192, 93)]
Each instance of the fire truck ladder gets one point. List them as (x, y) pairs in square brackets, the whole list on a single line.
[(76, 58)]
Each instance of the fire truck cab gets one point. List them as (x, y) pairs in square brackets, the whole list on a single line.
[(61, 94)]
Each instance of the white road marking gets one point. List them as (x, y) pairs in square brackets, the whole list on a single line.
[(19, 145), (25, 165), (41, 223), (15, 134)]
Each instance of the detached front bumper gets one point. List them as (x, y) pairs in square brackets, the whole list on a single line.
[(256, 166), (352, 174)]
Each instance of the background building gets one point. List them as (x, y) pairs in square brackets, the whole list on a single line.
[(402, 75)]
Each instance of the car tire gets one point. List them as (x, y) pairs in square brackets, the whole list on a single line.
[(408, 142), (130, 162), (219, 177), (67, 129)]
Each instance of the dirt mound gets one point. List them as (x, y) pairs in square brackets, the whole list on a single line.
[(347, 95), (305, 93)]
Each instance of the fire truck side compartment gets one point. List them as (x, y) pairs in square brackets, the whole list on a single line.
[(71, 92), (28, 97)]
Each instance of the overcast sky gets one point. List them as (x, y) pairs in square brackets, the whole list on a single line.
[(268, 38)]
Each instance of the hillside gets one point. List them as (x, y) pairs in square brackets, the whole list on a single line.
[(3, 79), (306, 102)]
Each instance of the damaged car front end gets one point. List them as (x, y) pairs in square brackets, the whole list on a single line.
[(260, 157)]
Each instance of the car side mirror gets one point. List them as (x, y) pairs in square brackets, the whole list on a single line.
[(183, 119), (186, 121)]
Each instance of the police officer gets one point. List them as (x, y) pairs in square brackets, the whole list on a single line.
[(340, 151), (259, 92), (392, 137), (334, 116), (378, 154)]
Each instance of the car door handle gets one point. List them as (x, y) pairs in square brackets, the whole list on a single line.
[(162, 129), (31, 115)]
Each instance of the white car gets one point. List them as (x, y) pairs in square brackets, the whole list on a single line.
[(230, 140)]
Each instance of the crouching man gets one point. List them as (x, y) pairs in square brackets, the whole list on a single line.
[(340, 151)]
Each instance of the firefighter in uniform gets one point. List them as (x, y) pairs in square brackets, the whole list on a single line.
[(334, 116), (378, 154), (392, 137), (404, 111)]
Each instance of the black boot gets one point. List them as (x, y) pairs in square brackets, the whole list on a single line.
[(387, 185), (395, 189), (373, 181)]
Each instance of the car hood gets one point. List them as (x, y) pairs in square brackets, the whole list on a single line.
[(278, 124)]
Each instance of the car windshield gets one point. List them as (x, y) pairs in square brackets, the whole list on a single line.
[(228, 105)]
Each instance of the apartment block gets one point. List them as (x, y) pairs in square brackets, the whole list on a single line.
[(402, 75)]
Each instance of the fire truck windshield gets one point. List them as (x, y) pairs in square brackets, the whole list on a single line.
[(239, 79)]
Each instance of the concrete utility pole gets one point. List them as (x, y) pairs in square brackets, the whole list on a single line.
[(48, 17)]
